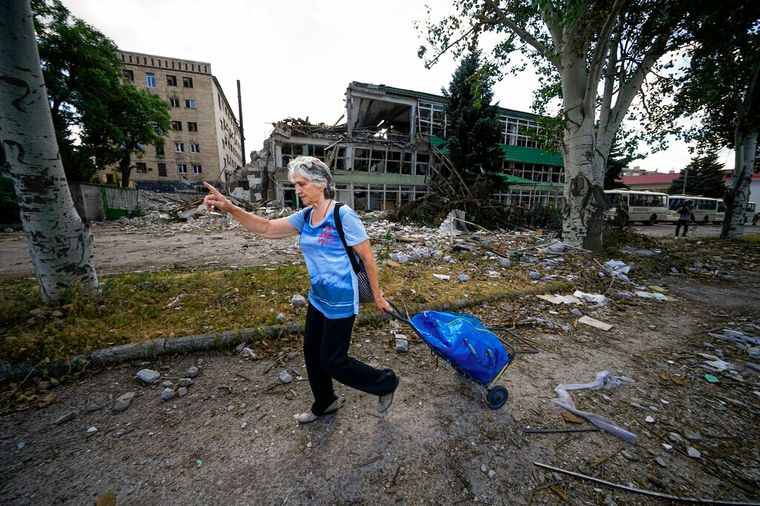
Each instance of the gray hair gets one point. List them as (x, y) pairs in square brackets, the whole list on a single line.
[(313, 170)]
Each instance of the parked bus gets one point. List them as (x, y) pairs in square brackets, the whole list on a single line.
[(703, 209), (749, 211), (644, 206)]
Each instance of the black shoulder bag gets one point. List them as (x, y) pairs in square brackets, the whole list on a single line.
[(365, 290)]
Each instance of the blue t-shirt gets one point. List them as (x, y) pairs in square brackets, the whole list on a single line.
[(334, 289)]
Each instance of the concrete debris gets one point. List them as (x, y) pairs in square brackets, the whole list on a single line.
[(442, 277), (191, 372), (464, 278), (285, 377), (617, 269), (298, 300), (402, 343), (693, 452), (591, 297), (148, 376), (651, 295), (587, 320), (453, 224), (167, 394), (123, 401)]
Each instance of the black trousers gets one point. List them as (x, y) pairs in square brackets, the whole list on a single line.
[(685, 224), (325, 348)]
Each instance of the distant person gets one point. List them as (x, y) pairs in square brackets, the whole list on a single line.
[(684, 216), (334, 294)]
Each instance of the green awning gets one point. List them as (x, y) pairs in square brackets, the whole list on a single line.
[(439, 144), (536, 156), (510, 180), (519, 154)]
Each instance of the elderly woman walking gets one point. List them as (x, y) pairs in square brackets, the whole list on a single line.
[(334, 294)]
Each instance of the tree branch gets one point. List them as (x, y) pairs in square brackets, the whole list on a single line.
[(602, 43), (522, 33), (432, 62)]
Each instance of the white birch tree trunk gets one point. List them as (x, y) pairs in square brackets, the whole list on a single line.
[(584, 205), (744, 161), (60, 244)]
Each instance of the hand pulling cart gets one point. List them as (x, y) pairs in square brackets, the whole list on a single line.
[(471, 348)]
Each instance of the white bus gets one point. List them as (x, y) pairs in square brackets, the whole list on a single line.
[(703, 209), (644, 206)]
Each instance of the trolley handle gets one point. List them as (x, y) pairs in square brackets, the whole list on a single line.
[(396, 313)]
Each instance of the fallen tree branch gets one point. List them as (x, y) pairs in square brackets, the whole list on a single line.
[(643, 491)]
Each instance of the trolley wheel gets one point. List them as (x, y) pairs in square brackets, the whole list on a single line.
[(652, 220), (497, 397), (706, 220)]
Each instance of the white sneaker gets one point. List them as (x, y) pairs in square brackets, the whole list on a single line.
[(309, 416), (384, 401)]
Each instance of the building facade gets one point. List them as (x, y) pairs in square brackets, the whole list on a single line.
[(204, 141), (384, 153)]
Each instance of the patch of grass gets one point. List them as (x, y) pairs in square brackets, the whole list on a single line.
[(135, 307)]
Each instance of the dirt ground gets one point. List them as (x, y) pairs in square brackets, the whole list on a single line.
[(232, 439)]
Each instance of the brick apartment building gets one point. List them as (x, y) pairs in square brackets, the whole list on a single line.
[(204, 141)]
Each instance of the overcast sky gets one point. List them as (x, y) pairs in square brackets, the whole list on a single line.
[(295, 58)]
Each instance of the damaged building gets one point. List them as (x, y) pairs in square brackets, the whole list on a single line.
[(382, 155)]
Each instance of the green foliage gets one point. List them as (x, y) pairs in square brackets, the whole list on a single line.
[(474, 130), (8, 207), (89, 100), (622, 153), (703, 177)]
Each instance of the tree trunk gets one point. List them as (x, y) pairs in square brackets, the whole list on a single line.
[(584, 206), (125, 169), (60, 244), (738, 195)]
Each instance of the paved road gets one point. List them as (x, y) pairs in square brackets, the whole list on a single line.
[(665, 229)]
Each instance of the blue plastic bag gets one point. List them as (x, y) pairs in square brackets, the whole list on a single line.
[(464, 342)]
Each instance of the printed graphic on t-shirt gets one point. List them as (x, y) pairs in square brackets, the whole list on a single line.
[(326, 236)]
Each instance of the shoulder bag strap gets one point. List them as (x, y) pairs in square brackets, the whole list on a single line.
[(339, 226)]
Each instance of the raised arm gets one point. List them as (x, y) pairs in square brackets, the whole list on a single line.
[(270, 229)]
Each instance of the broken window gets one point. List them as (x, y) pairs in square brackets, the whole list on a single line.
[(177, 126), (182, 168), (520, 132), (315, 151), (171, 80), (395, 159), (361, 159), (290, 152), (187, 82), (391, 198), (141, 167), (192, 126), (377, 160), (179, 147), (405, 194), (160, 150), (197, 169), (341, 163), (360, 198), (161, 170), (128, 75), (406, 164), (431, 119), (376, 198)]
